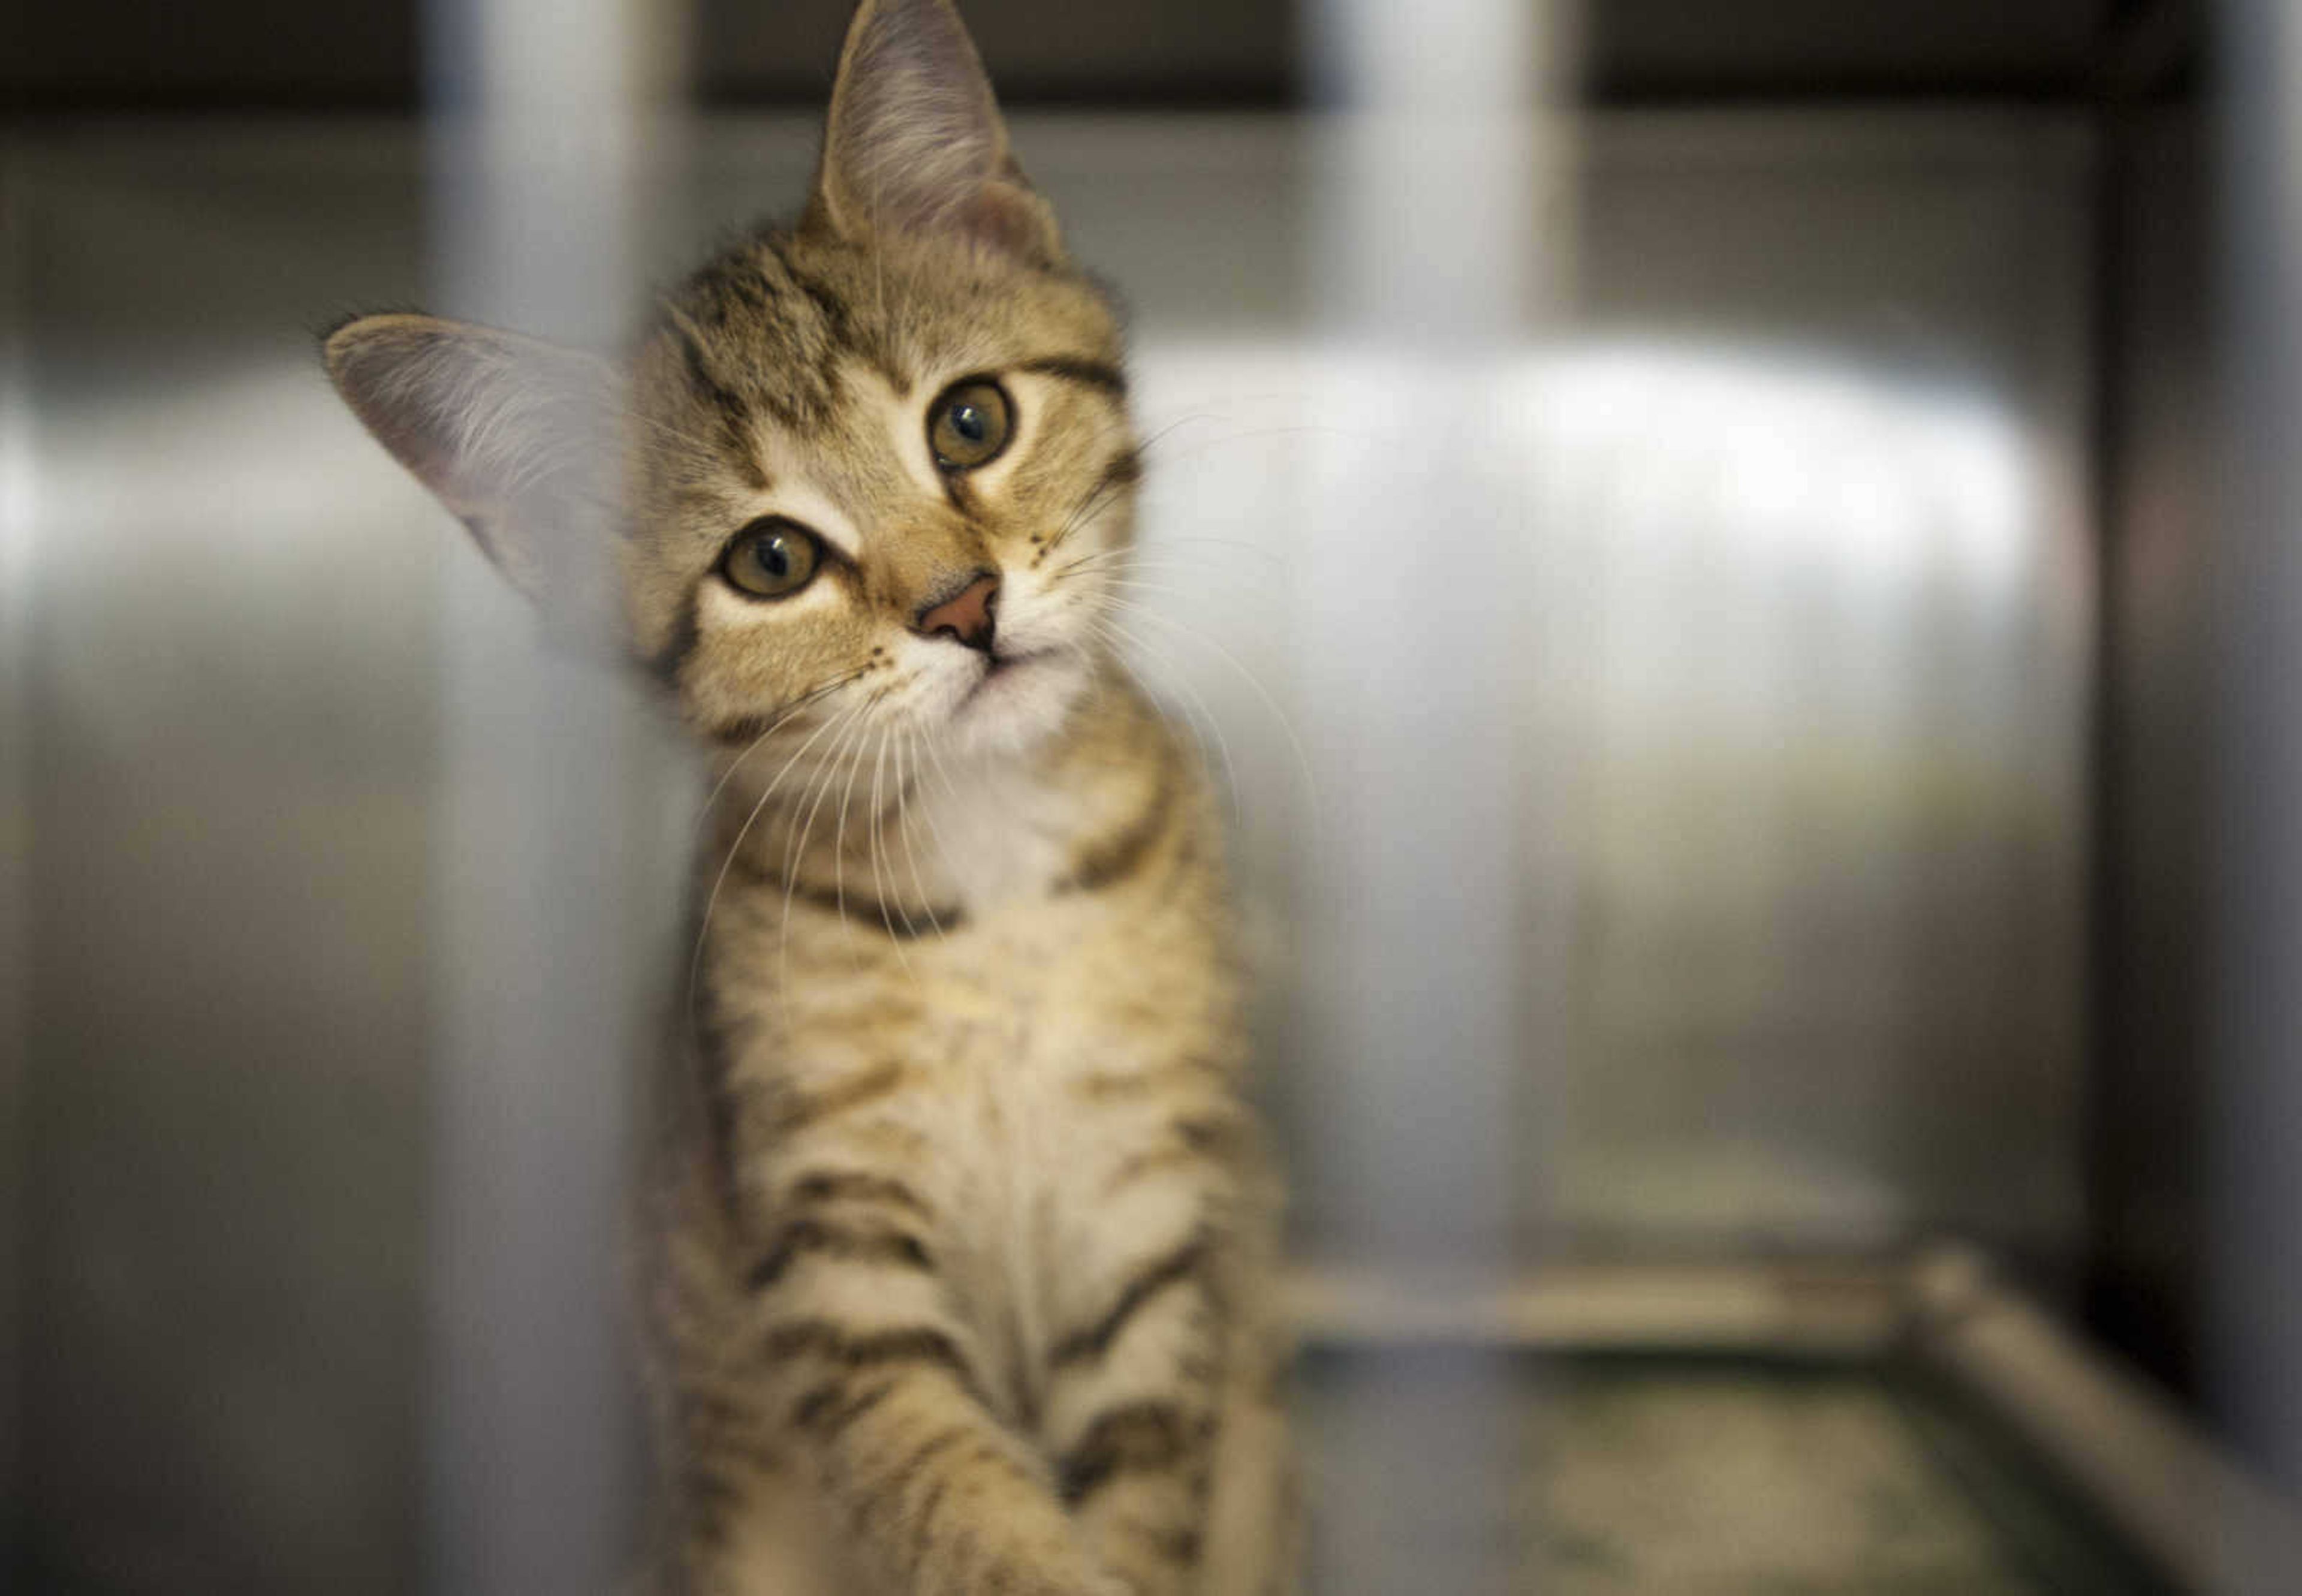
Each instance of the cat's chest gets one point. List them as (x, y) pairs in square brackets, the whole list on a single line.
[(1025, 1129), (1021, 1039), (1018, 1067), (998, 838)]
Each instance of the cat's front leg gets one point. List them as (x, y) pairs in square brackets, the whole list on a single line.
[(1134, 1411), (882, 1390)]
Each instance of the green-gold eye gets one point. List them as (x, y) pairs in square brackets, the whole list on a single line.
[(771, 559), (969, 425)]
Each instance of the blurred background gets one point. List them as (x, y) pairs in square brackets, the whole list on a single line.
[(1735, 559)]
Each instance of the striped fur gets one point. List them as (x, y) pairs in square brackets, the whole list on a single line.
[(961, 1227)]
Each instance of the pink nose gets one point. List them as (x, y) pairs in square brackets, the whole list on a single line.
[(967, 616)]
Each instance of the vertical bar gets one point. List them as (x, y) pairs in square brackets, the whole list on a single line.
[(2256, 967), (1415, 605), (1425, 235), (16, 491), (544, 926)]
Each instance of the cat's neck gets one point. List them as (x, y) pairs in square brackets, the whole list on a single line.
[(962, 833)]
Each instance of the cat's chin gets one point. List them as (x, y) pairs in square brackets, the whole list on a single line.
[(1018, 703)]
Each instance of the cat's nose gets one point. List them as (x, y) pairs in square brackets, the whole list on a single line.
[(967, 616)]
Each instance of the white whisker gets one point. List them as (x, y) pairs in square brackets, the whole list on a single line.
[(872, 843), (797, 705), (796, 850), (839, 860), (908, 748), (1286, 724), (1205, 715), (711, 900)]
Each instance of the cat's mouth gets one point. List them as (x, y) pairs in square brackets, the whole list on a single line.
[(1003, 668), (1013, 700), (1007, 679)]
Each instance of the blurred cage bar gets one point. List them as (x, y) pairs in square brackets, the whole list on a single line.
[(15, 852), (556, 884), (1737, 561)]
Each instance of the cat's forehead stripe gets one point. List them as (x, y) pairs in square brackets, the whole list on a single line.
[(767, 334), (1077, 368), (729, 408)]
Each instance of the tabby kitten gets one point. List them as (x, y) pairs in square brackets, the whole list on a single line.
[(962, 1237)]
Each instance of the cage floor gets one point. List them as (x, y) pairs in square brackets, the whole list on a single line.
[(1471, 1473)]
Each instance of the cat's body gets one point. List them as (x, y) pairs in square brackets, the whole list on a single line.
[(1007, 1202), (961, 1228)]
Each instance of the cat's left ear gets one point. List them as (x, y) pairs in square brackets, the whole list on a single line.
[(520, 438), (915, 143)]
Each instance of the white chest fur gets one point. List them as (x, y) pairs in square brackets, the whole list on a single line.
[(997, 831)]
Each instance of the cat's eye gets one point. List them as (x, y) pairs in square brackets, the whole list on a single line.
[(969, 425), (771, 557)]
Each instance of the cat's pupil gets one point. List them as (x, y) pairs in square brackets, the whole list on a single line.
[(774, 557), (969, 421)]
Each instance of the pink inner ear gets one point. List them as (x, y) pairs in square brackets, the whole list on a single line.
[(401, 416), (1013, 220)]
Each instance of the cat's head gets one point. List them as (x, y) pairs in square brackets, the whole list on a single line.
[(866, 477)]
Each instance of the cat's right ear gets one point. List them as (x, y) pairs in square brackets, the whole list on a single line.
[(520, 438), (915, 144)]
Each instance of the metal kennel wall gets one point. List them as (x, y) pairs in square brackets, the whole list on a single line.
[(1743, 614)]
